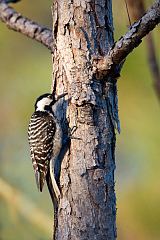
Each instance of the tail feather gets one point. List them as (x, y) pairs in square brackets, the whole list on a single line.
[(37, 178), (40, 179)]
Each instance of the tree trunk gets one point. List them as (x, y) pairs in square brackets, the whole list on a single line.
[(82, 37), (82, 30)]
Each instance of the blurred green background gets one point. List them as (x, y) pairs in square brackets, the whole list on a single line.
[(25, 73)]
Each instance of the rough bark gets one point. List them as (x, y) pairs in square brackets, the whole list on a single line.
[(87, 209), (86, 64), (19, 23), (129, 41)]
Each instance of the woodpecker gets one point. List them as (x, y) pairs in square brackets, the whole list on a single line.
[(45, 140)]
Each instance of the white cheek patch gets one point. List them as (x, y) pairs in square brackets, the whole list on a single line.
[(42, 103)]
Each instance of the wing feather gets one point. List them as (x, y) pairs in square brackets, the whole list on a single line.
[(41, 132)]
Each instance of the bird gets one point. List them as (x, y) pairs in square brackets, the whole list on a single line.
[(45, 140)]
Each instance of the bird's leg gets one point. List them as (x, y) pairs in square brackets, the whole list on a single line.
[(71, 132)]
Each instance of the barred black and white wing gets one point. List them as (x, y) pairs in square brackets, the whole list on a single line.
[(41, 132)]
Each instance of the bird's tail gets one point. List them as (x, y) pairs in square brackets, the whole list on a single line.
[(54, 201), (40, 179)]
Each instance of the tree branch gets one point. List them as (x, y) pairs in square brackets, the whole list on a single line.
[(125, 45), (17, 22), (137, 8)]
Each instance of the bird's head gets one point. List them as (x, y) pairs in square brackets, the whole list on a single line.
[(46, 101)]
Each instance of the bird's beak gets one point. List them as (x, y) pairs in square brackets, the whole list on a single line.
[(61, 96)]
